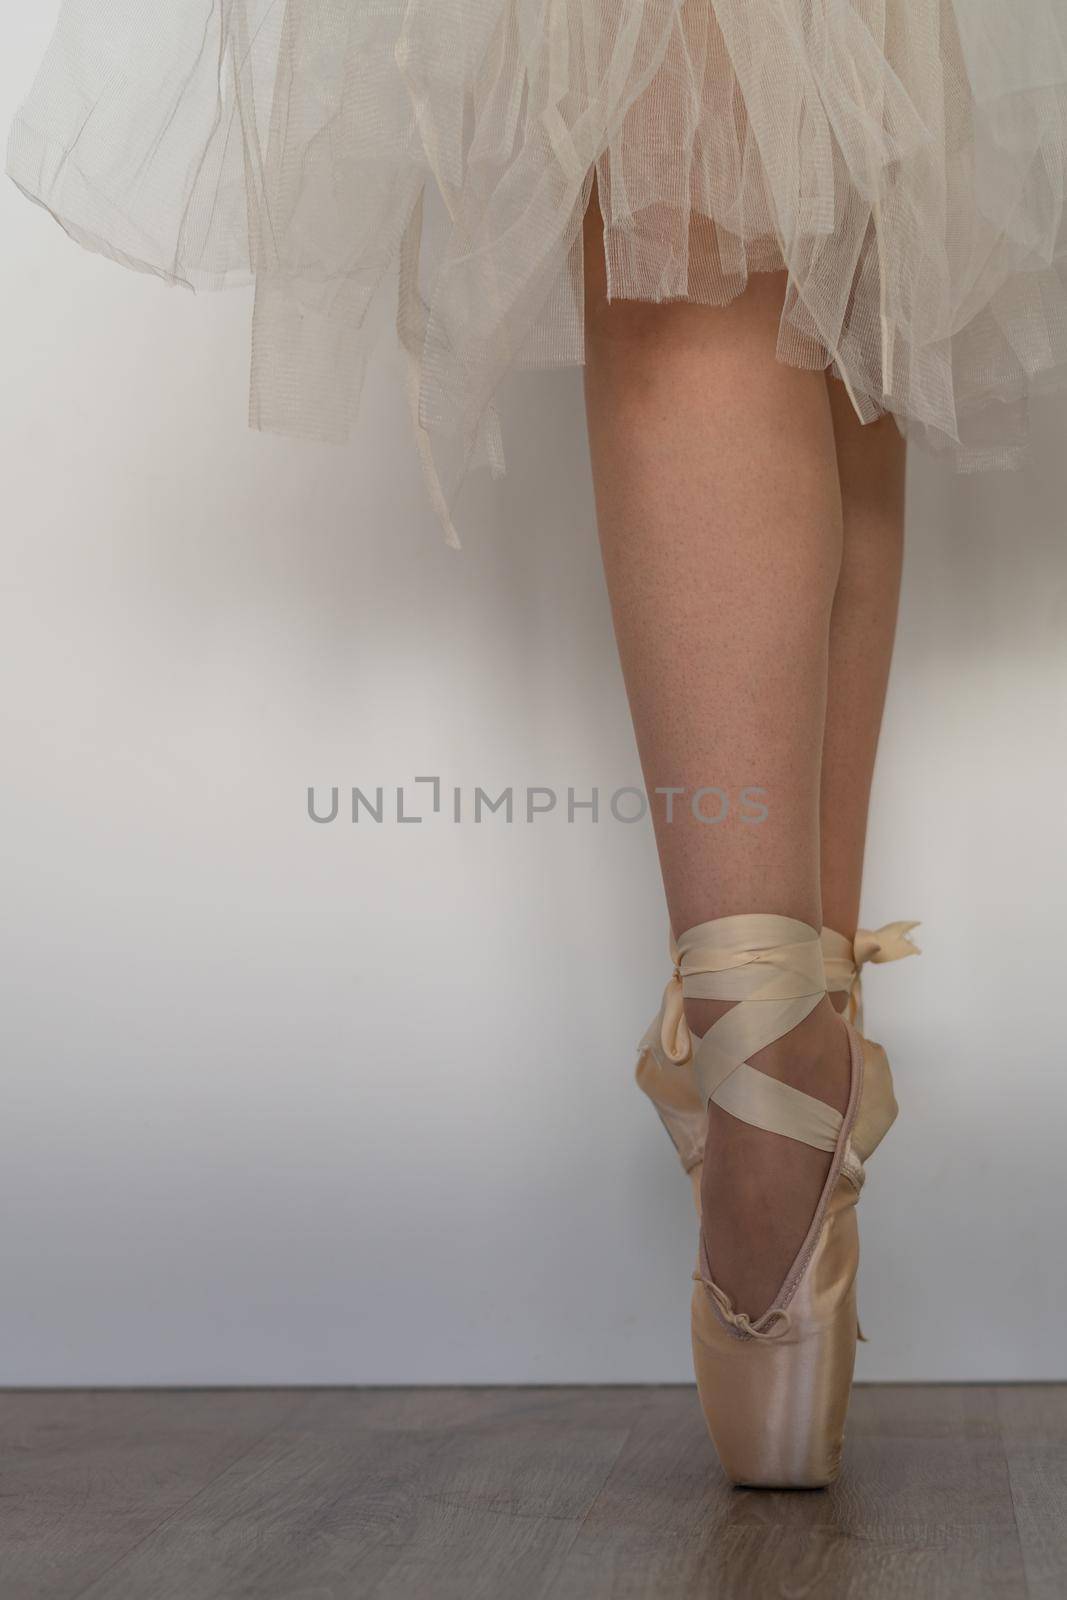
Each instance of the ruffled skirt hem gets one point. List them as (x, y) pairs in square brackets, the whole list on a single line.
[(904, 166)]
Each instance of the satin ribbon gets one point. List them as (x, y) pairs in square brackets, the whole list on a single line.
[(738, 968), (675, 1038), (772, 966), (888, 943), (845, 959)]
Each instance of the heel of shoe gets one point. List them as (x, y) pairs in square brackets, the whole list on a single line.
[(672, 1090), (878, 1104)]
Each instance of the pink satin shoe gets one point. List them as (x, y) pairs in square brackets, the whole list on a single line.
[(774, 1389)]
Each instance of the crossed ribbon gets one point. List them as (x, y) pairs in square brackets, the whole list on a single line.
[(843, 968)]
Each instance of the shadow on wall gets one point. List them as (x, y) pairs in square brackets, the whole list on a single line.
[(987, 554)]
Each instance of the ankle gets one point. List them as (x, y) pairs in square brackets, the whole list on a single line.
[(701, 1015), (808, 1042), (814, 1056)]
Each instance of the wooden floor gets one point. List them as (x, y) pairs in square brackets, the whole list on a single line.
[(508, 1494)]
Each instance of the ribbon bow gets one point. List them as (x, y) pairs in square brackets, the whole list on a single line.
[(888, 943), (844, 959)]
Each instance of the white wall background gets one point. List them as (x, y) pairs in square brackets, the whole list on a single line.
[(287, 1103)]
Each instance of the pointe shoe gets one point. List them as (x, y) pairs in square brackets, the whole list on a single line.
[(670, 1084), (775, 1389)]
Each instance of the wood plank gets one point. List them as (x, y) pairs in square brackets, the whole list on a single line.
[(1034, 1427), (923, 1510), (482, 1499), (85, 1476), (949, 1493)]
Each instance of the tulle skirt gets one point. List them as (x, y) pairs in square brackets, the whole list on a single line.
[(904, 161)]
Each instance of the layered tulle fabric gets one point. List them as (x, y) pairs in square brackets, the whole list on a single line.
[(905, 160)]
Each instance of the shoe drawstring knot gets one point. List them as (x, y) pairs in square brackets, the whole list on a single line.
[(771, 1325)]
